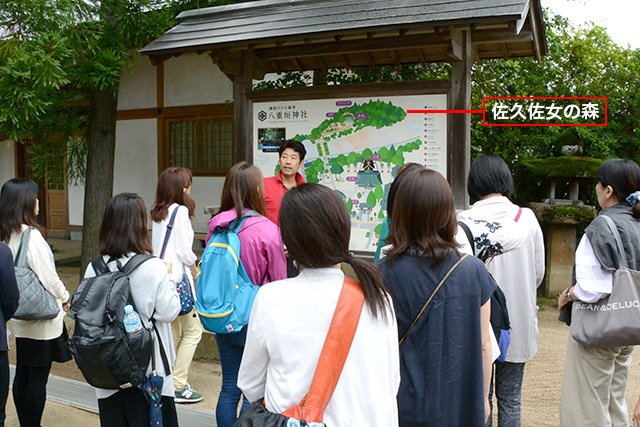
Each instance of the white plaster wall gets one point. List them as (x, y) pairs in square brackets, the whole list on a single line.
[(138, 86), (7, 161), (205, 191), (194, 80), (76, 204), (136, 162)]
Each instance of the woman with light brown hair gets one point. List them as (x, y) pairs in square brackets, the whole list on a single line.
[(445, 348), (262, 255), (173, 211)]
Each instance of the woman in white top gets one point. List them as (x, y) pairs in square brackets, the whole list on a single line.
[(290, 320), (123, 234), (174, 192), (518, 271), (595, 379), (38, 342)]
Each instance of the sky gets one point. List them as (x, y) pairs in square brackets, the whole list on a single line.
[(619, 17)]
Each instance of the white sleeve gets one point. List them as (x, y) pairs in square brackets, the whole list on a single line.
[(40, 260), (592, 282), (252, 376), (183, 235), (463, 241), (539, 253)]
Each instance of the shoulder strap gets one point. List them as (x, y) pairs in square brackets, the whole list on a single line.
[(99, 266), (616, 236), (136, 261), (21, 255), (167, 234), (165, 361), (517, 218), (467, 231), (334, 354), (433, 294)]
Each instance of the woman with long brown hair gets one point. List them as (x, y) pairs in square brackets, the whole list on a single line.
[(290, 320), (445, 348), (262, 255), (173, 201), (123, 235), (38, 342)]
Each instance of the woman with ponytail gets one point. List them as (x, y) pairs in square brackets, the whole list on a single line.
[(290, 320), (445, 346), (595, 379)]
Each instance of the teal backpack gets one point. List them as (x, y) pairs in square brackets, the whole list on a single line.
[(224, 292)]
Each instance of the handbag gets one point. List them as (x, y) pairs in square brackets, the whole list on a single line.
[(184, 287), (310, 410), (35, 303), (433, 294), (614, 321)]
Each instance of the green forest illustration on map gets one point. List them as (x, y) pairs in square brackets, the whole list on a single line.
[(361, 177)]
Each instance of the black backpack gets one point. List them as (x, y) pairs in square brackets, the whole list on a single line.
[(107, 356)]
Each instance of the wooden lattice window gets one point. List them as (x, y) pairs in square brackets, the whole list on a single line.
[(202, 144)]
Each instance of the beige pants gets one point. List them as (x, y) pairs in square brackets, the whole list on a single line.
[(594, 385), (187, 331)]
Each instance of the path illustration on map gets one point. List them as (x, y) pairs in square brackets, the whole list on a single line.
[(357, 152)]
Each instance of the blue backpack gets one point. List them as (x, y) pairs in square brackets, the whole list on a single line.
[(224, 292)]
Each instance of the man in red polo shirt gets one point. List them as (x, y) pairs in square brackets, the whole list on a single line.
[(291, 157)]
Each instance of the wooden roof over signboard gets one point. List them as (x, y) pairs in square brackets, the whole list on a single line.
[(288, 35)]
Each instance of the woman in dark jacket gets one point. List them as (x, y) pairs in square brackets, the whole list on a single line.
[(8, 303)]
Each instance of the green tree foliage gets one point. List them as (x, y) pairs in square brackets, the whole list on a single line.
[(582, 61), (371, 199), (60, 66)]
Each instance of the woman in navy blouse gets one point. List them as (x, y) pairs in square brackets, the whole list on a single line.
[(445, 359)]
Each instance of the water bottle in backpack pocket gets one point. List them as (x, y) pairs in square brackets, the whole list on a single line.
[(108, 356), (225, 294)]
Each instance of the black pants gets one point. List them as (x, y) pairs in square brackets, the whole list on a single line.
[(129, 408), (30, 393), (4, 384)]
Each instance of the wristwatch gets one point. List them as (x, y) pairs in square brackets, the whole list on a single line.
[(567, 294)]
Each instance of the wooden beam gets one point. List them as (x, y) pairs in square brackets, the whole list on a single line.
[(346, 61), (163, 149), (339, 37), (372, 62), (243, 110), (395, 58), (297, 64), (423, 60), (459, 147), (159, 59), (351, 46), (505, 52), (455, 45), (230, 63), (370, 34), (500, 36), (353, 90), (323, 65), (535, 29)]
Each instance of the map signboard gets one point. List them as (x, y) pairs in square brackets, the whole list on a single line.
[(355, 146)]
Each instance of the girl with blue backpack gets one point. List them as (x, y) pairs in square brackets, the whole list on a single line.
[(261, 254)]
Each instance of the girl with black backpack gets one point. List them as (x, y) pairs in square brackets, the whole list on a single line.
[(123, 234)]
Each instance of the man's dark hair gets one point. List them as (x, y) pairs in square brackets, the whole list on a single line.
[(489, 174), (296, 146)]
